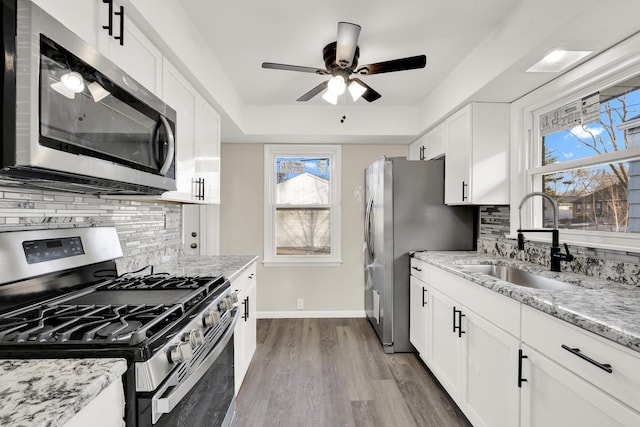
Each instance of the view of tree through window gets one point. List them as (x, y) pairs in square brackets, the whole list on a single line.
[(596, 197), (303, 206)]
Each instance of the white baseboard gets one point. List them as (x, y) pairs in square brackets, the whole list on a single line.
[(299, 314)]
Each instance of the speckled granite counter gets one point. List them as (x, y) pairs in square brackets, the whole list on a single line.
[(605, 308), (50, 392), (191, 265)]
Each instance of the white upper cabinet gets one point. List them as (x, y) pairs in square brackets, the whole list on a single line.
[(477, 155), (197, 140), (429, 146), (80, 16), (130, 49), (107, 27)]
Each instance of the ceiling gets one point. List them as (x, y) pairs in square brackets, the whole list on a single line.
[(476, 50)]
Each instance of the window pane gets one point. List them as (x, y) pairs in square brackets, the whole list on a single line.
[(598, 198), (303, 231), (618, 104), (302, 181)]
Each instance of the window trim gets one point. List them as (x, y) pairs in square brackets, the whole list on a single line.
[(617, 64), (271, 152)]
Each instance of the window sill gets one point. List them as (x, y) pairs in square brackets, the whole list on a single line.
[(305, 264)]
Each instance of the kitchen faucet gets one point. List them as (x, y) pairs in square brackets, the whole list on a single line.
[(556, 255)]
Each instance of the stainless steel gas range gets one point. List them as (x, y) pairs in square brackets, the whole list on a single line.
[(61, 297)]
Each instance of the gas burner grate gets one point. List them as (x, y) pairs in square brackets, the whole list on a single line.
[(158, 281), (130, 324)]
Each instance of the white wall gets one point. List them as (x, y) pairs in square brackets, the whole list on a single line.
[(327, 291)]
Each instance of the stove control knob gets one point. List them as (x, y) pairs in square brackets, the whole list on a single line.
[(224, 305), (211, 318), (194, 337), (180, 353), (234, 297)]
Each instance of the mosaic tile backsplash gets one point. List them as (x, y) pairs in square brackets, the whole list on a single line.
[(617, 266), (149, 232)]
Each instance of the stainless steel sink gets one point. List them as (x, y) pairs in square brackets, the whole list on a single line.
[(518, 277)]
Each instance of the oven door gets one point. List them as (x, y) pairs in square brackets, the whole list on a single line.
[(206, 397)]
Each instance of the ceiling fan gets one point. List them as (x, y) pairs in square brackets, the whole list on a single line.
[(341, 62)]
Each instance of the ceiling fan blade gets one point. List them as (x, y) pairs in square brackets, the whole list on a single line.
[(370, 94), (313, 92), (410, 63), (346, 43), (286, 67)]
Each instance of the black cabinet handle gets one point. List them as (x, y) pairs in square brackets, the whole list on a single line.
[(109, 26), (604, 366), (198, 192), (422, 148), (459, 326), (520, 357), (416, 268), (464, 186), (121, 15), (245, 315), (424, 293)]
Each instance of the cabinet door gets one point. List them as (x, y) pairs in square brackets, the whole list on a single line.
[(207, 149), (83, 17), (179, 94), (553, 396), (416, 149), (457, 185), (435, 142), (444, 346), (418, 315), (137, 56), (491, 397), (251, 330)]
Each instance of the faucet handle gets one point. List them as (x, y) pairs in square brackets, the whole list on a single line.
[(568, 256), (520, 241)]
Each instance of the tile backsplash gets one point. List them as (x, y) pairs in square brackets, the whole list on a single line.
[(149, 232), (617, 266)]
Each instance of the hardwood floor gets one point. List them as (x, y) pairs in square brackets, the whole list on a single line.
[(333, 372)]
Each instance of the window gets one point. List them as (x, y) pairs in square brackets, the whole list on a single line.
[(302, 204), (588, 153)]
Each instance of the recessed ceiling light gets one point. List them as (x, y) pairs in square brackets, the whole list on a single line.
[(557, 60)]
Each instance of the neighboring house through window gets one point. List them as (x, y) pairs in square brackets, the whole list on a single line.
[(302, 204)]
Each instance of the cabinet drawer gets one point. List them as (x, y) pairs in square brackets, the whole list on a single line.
[(500, 310), (420, 269), (569, 345), (243, 281)]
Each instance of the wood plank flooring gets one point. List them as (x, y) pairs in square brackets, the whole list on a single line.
[(333, 372)]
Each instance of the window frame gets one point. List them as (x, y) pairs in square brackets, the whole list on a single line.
[(612, 67), (273, 151)]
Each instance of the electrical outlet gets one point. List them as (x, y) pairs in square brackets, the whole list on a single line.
[(300, 305)]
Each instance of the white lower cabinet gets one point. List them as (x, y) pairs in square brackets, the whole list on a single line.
[(418, 316), (245, 333), (475, 361), (554, 396), (570, 377)]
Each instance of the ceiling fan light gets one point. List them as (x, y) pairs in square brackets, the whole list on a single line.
[(356, 90), (330, 97), (73, 81), (63, 90), (337, 85)]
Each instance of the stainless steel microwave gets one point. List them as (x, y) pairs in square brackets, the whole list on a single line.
[(74, 121)]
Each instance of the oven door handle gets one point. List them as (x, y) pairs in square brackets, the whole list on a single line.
[(164, 405)]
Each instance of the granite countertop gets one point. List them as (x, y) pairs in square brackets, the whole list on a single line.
[(49, 392), (229, 266), (608, 309)]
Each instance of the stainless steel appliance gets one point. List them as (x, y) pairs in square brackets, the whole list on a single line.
[(61, 298), (404, 211), (71, 119)]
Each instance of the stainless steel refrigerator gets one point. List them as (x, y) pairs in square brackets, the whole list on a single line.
[(404, 211)]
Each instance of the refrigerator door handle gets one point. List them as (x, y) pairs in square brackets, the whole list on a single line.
[(369, 224)]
